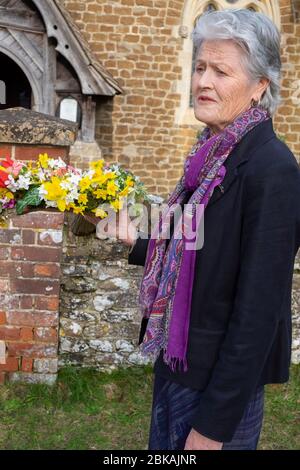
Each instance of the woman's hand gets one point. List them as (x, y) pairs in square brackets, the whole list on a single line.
[(117, 226), (195, 441)]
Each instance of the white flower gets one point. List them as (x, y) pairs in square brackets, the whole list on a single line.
[(66, 185), (89, 173), (23, 182), (41, 175), (115, 168), (12, 184), (61, 163), (56, 163), (51, 163), (71, 197), (51, 203), (74, 179), (42, 192)]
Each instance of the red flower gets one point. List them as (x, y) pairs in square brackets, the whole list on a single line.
[(7, 163)]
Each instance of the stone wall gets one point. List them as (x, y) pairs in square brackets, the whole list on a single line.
[(296, 313), (99, 314), (140, 42)]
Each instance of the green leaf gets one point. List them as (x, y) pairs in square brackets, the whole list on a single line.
[(31, 198)]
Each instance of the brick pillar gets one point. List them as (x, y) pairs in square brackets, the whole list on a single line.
[(30, 252)]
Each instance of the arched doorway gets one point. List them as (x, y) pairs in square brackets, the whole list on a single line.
[(16, 91)]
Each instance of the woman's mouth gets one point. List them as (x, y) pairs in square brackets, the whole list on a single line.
[(205, 98)]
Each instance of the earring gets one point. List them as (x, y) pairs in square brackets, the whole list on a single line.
[(255, 103)]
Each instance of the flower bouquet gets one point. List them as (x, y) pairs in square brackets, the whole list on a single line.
[(51, 183)]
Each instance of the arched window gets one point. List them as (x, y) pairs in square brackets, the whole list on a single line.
[(192, 11), (2, 92)]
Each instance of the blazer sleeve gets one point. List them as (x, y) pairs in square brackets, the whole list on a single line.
[(269, 243), (137, 254)]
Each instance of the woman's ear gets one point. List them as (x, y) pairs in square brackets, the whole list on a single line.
[(261, 88)]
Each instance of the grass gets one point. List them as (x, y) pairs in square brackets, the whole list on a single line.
[(91, 410), (84, 410), (281, 429)]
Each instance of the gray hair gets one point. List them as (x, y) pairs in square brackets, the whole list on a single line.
[(258, 37)]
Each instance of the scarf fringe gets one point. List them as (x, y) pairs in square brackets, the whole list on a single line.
[(176, 364)]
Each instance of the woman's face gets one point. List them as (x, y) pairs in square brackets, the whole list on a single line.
[(221, 87)]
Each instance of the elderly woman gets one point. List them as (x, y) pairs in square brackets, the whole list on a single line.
[(218, 319)]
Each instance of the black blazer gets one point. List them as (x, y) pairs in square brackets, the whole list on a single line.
[(240, 327)]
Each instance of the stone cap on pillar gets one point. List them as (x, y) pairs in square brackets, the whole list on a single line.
[(23, 126)]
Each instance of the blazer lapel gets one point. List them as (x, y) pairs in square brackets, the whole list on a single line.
[(240, 155)]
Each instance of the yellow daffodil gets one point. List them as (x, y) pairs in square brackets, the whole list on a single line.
[(117, 204), (61, 205), (34, 171), (111, 175), (5, 193), (124, 192), (33, 168), (54, 189), (85, 183), (56, 193), (99, 179), (43, 160), (111, 188), (9, 195), (78, 209), (100, 194), (97, 166), (129, 181), (83, 199), (100, 213)]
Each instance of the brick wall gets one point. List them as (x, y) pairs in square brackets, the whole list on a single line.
[(135, 41), (30, 254), (30, 250), (287, 120), (139, 43), (28, 153)]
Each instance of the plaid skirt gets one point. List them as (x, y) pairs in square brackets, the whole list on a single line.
[(174, 405)]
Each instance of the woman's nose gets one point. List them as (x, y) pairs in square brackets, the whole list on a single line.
[(204, 79)]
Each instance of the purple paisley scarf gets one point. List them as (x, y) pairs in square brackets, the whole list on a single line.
[(166, 288)]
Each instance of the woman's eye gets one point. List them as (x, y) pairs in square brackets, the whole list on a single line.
[(220, 72)]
